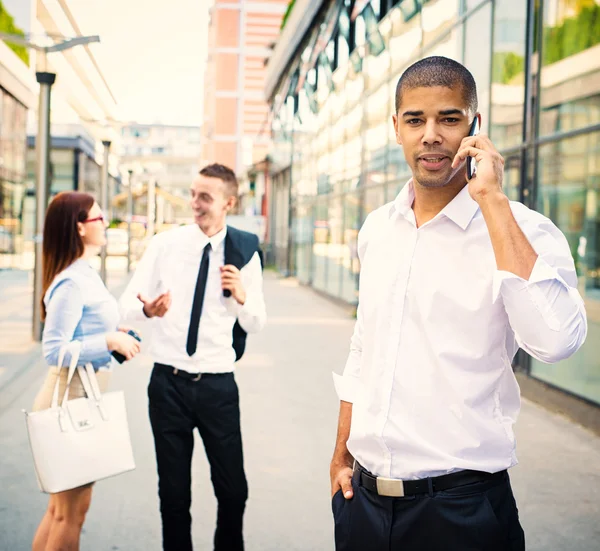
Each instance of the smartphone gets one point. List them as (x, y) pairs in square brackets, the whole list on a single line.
[(471, 163), (117, 355)]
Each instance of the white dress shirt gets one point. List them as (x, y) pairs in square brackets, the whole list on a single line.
[(429, 371), (171, 262)]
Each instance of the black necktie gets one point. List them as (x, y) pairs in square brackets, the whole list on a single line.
[(192, 340)]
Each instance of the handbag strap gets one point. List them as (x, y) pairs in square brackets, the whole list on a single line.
[(75, 348), (89, 380), (83, 377), (92, 388)]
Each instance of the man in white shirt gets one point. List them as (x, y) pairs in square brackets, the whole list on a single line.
[(454, 279), (205, 287)]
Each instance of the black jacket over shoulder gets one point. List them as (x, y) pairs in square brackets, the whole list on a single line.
[(240, 247)]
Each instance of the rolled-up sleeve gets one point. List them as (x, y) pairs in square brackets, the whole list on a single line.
[(63, 314), (546, 312)]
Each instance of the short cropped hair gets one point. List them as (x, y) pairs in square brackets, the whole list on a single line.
[(223, 173), (438, 71)]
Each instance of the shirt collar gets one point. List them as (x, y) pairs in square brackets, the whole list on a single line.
[(215, 241), (404, 200), (460, 210)]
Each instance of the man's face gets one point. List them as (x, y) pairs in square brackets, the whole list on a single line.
[(430, 125), (210, 202)]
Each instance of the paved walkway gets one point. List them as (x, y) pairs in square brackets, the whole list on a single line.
[(289, 418)]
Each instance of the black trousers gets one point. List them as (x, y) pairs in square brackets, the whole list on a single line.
[(478, 517), (177, 406)]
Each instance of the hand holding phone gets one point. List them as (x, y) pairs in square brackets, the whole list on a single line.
[(117, 355), (471, 163)]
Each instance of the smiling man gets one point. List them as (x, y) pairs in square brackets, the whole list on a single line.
[(202, 285), (454, 279)]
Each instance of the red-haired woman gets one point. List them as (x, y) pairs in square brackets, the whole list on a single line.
[(76, 306)]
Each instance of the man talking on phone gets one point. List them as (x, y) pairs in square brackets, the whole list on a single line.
[(454, 279)]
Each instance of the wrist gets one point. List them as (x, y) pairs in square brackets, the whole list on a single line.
[(109, 337), (241, 298), (342, 458), (490, 200)]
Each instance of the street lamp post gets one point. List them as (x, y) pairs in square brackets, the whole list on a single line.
[(46, 80), (42, 146), (104, 205)]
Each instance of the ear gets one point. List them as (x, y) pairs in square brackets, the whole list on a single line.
[(81, 229), (231, 202), (396, 131)]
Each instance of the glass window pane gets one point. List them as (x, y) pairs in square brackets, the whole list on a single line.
[(569, 194), (301, 227), (438, 16), (61, 169), (374, 198), (349, 257), (335, 245), (570, 83), (16, 217), (478, 36), (409, 9), (508, 73), (359, 31), (375, 40), (375, 5), (376, 143), (343, 51), (512, 177), (320, 243), (405, 39), (470, 4)]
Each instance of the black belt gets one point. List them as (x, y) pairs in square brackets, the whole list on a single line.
[(398, 488), (182, 373)]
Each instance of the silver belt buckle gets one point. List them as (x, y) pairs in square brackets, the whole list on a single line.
[(390, 487)]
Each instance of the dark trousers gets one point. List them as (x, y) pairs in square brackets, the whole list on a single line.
[(177, 406), (478, 517)]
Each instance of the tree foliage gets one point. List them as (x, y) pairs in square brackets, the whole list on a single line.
[(7, 25), (573, 35), (507, 65), (287, 13)]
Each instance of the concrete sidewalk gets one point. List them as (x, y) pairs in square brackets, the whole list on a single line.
[(289, 419), (17, 349)]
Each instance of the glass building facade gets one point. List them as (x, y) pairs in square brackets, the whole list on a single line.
[(13, 147), (72, 168), (537, 67)]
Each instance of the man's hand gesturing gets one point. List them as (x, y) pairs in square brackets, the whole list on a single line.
[(157, 307)]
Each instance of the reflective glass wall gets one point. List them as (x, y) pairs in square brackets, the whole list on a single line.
[(568, 167), (13, 147), (537, 68)]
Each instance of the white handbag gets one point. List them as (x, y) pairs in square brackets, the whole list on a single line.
[(81, 440)]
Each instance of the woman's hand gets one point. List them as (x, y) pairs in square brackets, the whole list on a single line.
[(123, 343)]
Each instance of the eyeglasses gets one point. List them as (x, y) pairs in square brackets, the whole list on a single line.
[(97, 219)]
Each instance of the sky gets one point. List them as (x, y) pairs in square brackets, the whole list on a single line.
[(152, 54)]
